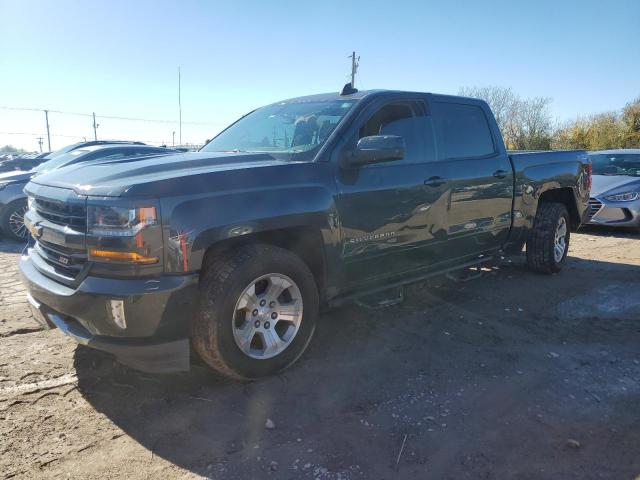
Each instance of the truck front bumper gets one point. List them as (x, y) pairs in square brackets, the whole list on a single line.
[(157, 313)]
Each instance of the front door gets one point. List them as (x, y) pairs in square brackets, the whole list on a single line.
[(392, 213)]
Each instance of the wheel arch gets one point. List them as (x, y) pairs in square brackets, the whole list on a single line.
[(566, 197), (304, 241)]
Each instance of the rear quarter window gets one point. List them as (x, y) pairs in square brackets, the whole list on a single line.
[(464, 131)]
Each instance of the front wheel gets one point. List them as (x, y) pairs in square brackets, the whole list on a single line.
[(257, 312), (548, 241), (12, 221)]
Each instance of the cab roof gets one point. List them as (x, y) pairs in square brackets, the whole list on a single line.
[(335, 96)]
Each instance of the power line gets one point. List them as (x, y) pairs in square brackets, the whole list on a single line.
[(38, 134), (111, 117), (80, 137)]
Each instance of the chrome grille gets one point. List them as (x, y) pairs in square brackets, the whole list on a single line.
[(595, 206), (65, 261), (72, 215)]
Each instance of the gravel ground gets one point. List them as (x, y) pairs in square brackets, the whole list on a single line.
[(513, 375)]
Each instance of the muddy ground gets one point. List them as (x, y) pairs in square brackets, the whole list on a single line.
[(513, 375)]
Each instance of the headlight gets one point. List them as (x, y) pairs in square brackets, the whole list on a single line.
[(118, 221), (123, 235), (30, 202), (623, 197)]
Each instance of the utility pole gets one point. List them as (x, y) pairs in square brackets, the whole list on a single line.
[(95, 132), (179, 107), (46, 119), (40, 143), (355, 63), (173, 142)]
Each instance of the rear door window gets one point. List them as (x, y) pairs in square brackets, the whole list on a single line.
[(464, 131)]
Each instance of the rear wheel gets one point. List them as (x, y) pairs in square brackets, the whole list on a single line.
[(12, 221), (548, 242), (257, 312)]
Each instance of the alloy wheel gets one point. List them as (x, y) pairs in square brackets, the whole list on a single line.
[(560, 240), (16, 222), (267, 316)]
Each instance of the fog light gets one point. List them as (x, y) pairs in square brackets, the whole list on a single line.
[(117, 313)]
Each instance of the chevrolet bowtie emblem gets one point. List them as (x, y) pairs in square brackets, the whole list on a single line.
[(35, 229)]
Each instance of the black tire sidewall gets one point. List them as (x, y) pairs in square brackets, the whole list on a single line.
[(270, 260)]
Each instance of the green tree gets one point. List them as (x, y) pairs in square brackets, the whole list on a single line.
[(11, 149), (631, 124)]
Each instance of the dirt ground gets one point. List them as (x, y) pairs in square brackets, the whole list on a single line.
[(513, 375)]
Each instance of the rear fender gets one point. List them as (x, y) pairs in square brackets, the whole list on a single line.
[(549, 182)]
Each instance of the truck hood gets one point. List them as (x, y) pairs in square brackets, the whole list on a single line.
[(150, 175), (605, 183)]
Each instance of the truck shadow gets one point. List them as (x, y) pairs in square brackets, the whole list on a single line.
[(9, 246), (606, 231), (364, 368)]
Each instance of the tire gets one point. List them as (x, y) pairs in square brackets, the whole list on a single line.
[(226, 317), (11, 221), (543, 249)]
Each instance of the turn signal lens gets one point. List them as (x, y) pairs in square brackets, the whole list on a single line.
[(120, 257)]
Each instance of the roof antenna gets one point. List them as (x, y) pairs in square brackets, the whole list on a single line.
[(348, 89)]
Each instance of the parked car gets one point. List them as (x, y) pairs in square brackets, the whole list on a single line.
[(20, 162), (615, 195), (13, 201), (309, 202), (27, 162)]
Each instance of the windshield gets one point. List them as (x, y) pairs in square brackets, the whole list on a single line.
[(616, 164), (60, 160), (292, 131)]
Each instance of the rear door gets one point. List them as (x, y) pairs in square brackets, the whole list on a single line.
[(391, 220), (480, 176)]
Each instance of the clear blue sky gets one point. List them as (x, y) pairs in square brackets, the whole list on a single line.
[(121, 57)]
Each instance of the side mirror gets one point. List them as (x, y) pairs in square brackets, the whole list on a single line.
[(375, 149)]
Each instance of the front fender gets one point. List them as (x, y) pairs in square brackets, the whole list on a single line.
[(194, 224)]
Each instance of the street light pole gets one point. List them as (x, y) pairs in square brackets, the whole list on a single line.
[(46, 119), (355, 63), (95, 132), (179, 107)]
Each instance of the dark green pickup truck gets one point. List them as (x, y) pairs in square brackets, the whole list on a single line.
[(302, 204)]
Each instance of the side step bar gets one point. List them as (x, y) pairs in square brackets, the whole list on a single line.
[(393, 294)]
